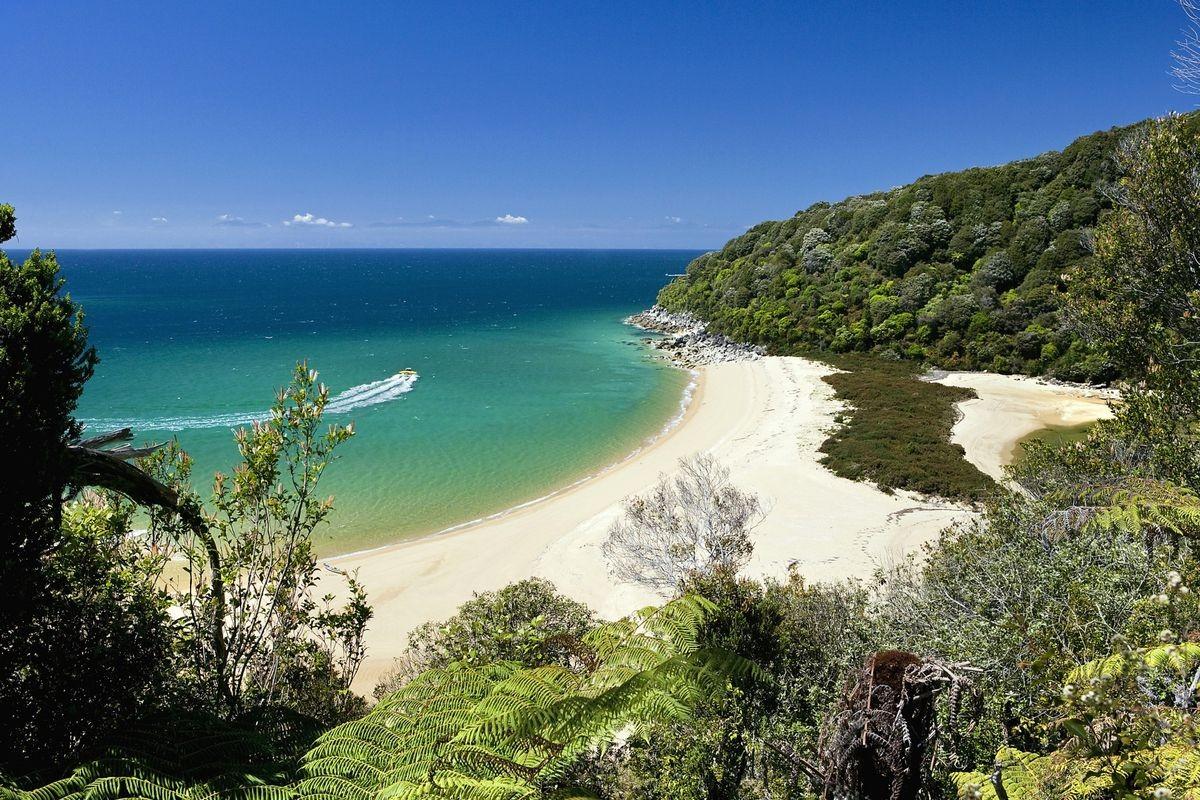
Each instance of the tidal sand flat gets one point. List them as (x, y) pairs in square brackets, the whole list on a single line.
[(1010, 407)]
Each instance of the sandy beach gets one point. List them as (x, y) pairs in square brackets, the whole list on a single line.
[(764, 419), (1022, 405)]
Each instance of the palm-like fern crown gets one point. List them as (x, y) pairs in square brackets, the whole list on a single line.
[(491, 732)]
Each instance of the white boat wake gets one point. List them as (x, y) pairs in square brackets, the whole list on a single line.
[(361, 396), (372, 394)]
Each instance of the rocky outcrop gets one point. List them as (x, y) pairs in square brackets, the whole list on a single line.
[(686, 340)]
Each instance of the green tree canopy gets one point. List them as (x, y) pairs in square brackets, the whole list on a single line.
[(963, 269)]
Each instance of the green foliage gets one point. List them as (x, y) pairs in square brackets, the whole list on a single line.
[(466, 731), (527, 622), (709, 755), (896, 431), (963, 269), (1026, 603), (809, 671), (257, 634), (100, 642), (1125, 725), (694, 760), (1152, 507), (1142, 301), (746, 743), (1056, 579), (44, 362), (74, 599), (8, 222), (503, 731), (192, 756), (1025, 776), (1131, 734)]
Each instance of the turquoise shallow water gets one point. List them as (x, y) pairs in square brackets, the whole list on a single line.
[(528, 379)]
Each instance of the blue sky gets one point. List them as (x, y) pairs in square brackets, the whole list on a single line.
[(643, 124)]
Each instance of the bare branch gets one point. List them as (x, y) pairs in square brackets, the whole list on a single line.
[(694, 523), (1187, 53)]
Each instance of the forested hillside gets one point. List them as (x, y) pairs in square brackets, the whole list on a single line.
[(965, 269)]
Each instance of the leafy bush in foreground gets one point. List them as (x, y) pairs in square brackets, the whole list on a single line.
[(527, 622), (497, 730)]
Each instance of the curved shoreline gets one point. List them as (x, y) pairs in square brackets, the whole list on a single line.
[(1025, 404), (692, 391), (764, 419)]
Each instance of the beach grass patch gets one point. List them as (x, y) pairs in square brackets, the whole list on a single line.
[(895, 430)]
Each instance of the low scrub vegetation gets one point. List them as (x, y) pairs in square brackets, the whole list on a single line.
[(895, 430)]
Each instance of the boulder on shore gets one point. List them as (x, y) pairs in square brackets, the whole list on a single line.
[(687, 341)]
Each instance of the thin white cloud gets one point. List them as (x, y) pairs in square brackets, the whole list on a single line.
[(429, 221), (233, 221), (509, 219), (116, 213), (159, 220), (316, 222)]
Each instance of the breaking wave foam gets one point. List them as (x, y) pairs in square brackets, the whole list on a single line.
[(361, 396)]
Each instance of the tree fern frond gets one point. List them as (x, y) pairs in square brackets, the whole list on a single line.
[(1182, 658), (1138, 504), (476, 732)]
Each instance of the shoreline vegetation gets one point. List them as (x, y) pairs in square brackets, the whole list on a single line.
[(899, 423), (895, 431)]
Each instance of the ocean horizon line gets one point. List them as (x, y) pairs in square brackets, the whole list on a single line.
[(387, 249)]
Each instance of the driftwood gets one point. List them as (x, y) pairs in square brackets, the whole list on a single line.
[(122, 435)]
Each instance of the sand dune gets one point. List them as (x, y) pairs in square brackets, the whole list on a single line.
[(763, 419)]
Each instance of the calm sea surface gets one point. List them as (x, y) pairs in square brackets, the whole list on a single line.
[(528, 379)]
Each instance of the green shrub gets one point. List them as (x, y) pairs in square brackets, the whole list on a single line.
[(527, 622)]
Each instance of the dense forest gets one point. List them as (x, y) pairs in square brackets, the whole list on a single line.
[(964, 270)]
